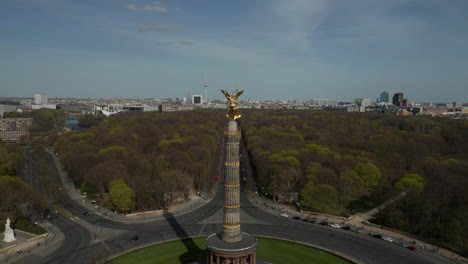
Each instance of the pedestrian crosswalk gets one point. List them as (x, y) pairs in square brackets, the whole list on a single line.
[(55, 243)]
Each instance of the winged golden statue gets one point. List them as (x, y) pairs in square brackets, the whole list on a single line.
[(233, 114)]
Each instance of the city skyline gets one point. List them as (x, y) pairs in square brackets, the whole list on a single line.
[(286, 49)]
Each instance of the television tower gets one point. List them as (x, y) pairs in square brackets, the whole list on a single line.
[(206, 90)]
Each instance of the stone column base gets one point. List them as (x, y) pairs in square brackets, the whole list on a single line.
[(222, 252)]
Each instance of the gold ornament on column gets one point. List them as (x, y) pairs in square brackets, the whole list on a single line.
[(233, 114)]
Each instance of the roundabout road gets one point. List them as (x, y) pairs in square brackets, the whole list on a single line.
[(358, 246)]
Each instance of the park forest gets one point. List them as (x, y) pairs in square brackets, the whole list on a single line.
[(331, 162), (140, 162), (343, 163)]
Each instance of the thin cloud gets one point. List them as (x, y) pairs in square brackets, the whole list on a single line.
[(158, 27), (164, 43), (185, 42), (155, 7), (296, 20), (173, 43)]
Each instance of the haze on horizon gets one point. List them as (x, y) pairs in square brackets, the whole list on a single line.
[(295, 49)]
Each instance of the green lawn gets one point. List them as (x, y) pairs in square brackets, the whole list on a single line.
[(272, 250)]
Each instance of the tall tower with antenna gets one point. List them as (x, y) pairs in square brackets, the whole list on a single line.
[(206, 89)]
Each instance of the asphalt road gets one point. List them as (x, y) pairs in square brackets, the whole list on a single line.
[(358, 246)]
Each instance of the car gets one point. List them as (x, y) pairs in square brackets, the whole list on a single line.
[(386, 238), (86, 213), (323, 223), (310, 220), (296, 218), (284, 215), (401, 244), (346, 227), (412, 248), (135, 238), (377, 236), (356, 230), (335, 225)]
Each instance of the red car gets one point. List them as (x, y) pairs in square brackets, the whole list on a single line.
[(412, 248)]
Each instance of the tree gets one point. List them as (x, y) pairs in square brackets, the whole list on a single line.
[(286, 180), (350, 186), (121, 196), (369, 173), (322, 197), (411, 183), (102, 173), (174, 181), (13, 192), (47, 119)]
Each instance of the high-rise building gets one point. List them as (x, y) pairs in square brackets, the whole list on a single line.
[(197, 99), (406, 102), (40, 98), (398, 99), (384, 97)]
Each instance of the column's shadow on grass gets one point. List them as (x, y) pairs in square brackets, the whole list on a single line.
[(194, 253)]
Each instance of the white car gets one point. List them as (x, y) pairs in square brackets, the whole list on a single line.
[(386, 238), (284, 214), (335, 225)]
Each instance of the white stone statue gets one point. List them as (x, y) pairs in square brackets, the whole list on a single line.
[(9, 234)]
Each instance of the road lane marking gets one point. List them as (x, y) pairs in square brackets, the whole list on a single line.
[(202, 229)]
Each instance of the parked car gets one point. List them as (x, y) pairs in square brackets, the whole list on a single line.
[(86, 213), (135, 238), (284, 215), (310, 220), (401, 244), (412, 248), (356, 230), (386, 238), (335, 225), (346, 227), (377, 236), (325, 223), (296, 218)]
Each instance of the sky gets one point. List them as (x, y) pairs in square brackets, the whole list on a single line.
[(274, 49)]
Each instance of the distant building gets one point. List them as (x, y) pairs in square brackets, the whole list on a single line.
[(406, 102), (8, 106), (323, 102), (14, 136), (403, 112), (140, 108), (355, 108), (384, 97), (40, 99), (398, 99), (9, 124), (40, 106), (457, 105), (364, 102), (13, 129), (197, 99)]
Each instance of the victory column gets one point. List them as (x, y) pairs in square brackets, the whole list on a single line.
[(231, 245)]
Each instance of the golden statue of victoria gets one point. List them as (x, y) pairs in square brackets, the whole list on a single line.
[(233, 114)]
